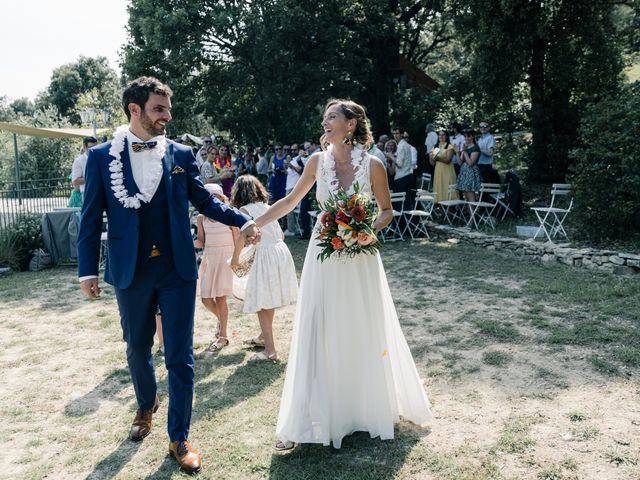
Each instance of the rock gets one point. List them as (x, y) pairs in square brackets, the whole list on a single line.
[(630, 256), (616, 260), (633, 263)]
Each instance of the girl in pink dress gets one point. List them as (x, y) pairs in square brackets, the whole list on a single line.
[(215, 277)]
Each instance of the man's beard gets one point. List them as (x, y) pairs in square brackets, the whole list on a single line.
[(153, 129)]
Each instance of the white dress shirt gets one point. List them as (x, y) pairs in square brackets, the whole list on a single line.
[(78, 167), (403, 160), (142, 162)]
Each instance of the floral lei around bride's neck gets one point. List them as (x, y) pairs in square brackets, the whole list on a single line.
[(117, 176), (358, 154)]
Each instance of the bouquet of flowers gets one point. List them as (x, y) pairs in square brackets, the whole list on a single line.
[(347, 225)]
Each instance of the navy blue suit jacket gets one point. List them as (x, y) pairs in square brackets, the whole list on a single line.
[(183, 184)]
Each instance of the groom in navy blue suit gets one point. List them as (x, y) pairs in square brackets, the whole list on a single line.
[(144, 183)]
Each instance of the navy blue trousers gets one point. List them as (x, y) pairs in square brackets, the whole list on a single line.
[(156, 282)]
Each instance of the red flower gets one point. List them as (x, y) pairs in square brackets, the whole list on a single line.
[(358, 213), (327, 219), (342, 217), (336, 243)]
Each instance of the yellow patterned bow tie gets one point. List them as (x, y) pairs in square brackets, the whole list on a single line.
[(140, 146)]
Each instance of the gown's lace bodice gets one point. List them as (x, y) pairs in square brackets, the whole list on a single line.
[(327, 181)]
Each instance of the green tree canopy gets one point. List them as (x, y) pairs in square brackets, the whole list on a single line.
[(70, 81), (567, 52), (264, 68)]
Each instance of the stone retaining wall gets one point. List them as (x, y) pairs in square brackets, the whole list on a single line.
[(606, 260)]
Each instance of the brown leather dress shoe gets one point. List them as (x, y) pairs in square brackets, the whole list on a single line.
[(142, 423), (190, 461)]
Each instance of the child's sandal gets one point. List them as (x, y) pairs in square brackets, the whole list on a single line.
[(216, 346)]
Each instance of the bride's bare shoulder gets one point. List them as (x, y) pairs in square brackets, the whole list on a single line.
[(313, 161)]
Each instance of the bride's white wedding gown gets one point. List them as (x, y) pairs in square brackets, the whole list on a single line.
[(350, 368)]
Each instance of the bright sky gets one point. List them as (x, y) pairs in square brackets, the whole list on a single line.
[(37, 36)]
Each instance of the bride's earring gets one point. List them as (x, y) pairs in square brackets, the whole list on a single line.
[(349, 139)]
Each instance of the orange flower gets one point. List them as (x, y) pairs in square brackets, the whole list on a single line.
[(364, 238), (353, 201), (324, 232), (336, 243)]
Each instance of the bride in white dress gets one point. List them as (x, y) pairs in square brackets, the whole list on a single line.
[(349, 368)]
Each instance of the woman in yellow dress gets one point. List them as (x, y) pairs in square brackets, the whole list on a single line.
[(444, 174)]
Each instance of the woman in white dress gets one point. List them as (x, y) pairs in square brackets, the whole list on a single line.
[(349, 368)]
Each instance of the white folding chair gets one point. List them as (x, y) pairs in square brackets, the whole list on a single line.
[(394, 228), (453, 209), (416, 219), (425, 182), (551, 218), (482, 210), (502, 205)]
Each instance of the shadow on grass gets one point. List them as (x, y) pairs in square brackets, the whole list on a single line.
[(246, 381), (361, 457), (168, 467), (90, 402), (110, 466)]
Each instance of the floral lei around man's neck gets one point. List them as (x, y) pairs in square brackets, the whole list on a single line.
[(117, 176), (358, 154)]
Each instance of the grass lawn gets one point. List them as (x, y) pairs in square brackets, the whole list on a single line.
[(532, 371)]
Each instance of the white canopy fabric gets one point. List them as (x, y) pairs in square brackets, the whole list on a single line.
[(50, 132), (188, 137)]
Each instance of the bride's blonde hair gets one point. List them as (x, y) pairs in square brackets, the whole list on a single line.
[(350, 109)]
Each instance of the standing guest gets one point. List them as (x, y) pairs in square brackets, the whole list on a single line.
[(262, 167), (349, 367), (249, 163), (457, 140), (443, 172), (379, 153), (390, 149), (404, 180), (430, 141), (215, 277), (310, 148), (487, 145), (271, 281), (224, 170), (414, 153), (79, 166), (279, 179), (469, 179), (238, 159), (144, 183), (201, 156), (207, 169), (293, 175)]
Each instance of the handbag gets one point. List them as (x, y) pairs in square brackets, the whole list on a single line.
[(247, 255)]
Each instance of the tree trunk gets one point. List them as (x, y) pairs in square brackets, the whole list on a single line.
[(538, 162)]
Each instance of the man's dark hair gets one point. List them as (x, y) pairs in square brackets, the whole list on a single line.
[(138, 92), (87, 140)]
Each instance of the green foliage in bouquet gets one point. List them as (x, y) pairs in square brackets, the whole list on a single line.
[(347, 225)]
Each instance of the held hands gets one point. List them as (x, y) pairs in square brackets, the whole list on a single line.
[(251, 234), (90, 288)]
